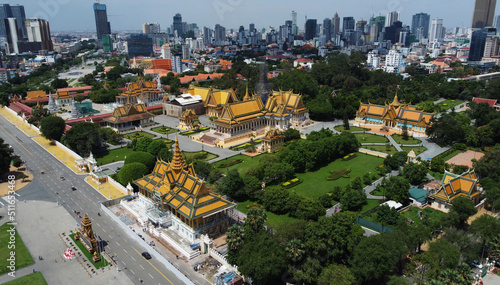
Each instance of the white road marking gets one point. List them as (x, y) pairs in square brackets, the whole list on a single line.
[(124, 263), (117, 243), (132, 271), (132, 258), (151, 275), (141, 267), (98, 224), (103, 230), (125, 251)]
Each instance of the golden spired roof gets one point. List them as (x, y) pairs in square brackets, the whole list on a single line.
[(86, 221), (178, 163), (395, 102), (247, 95)]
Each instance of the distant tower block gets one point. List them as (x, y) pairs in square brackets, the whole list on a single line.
[(52, 104), (75, 113), (263, 88)]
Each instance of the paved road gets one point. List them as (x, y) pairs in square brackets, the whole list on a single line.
[(49, 187)]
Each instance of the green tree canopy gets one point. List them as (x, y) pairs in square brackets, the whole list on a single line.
[(156, 146), (5, 156), (83, 138), (143, 144), (52, 127), (131, 172), (232, 185), (142, 157)]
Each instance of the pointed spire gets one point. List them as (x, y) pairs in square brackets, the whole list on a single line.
[(178, 163), (395, 102), (86, 220), (247, 95)]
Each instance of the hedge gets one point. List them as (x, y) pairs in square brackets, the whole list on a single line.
[(230, 163), (337, 174), (291, 183), (349, 156)]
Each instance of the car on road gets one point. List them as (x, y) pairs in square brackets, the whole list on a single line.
[(73, 188), (146, 255), (62, 178), (42, 172)]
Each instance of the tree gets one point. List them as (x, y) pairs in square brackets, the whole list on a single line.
[(387, 215), (276, 200), (461, 209), (232, 185), (396, 160), (110, 136), (79, 98), (295, 251), (59, 83), (308, 209), (253, 187), (143, 144), (416, 173), (83, 138), (131, 172), (291, 134), (255, 220), (353, 200), (336, 274), (235, 237), (405, 130), (156, 146), (278, 172), (144, 158), (395, 188), (52, 127), (166, 155), (444, 254), (17, 161), (397, 280)]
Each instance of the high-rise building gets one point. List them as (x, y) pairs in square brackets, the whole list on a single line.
[(496, 23), (336, 24), (392, 32), (327, 29), (186, 53), (295, 28), (13, 35), (38, 30), (107, 43), (20, 15), (484, 11), (166, 52), (251, 28), (207, 35), (219, 34), (178, 25), (436, 32), (5, 13), (391, 18), (420, 25), (376, 27), (360, 25), (101, 20), (310, 29), (139, 44), (491, 46), (478, 43), (348, 24), (151, 28)]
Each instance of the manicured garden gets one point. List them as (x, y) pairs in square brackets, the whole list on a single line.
[(273, 220), (114, 155), (371, 138), (164, 130), (245, 145), (247, 164), (448, 104), (30, 279), (427, 213), (315, 183), (139, 135), (370, 204), (351, 129), (411, 140), (418, 150), (88, 257), (22, 258), (206, 156), (192, 132), (381, 148)]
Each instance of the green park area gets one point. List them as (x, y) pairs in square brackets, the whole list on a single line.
[(273, 220), (418, 149), (381, 148), (411, 140), (428, 213), (449, 104), (114, 155), (247, 164), (370, 204), (315, 183), (139, 135), (370, 138), (198, 155), (30, 279), (164, 130), (88, 257), (351, 129), (22, 256)]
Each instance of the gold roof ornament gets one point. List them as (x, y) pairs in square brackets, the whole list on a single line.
[(86, 220), (178, 163), (247, 95), (395, 102)]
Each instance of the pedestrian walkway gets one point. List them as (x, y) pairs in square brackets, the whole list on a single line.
[(107, 190), (62, 155)]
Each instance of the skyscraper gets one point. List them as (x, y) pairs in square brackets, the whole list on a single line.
[(139, 44), (101, 20), (310, 29), (336, 24), (219, 34), (420, 25), (20, 15), (348, 24), (376, 26), (38, 30), (295, 28), (178, 25), (391, 18), (478, 42), (151, 28), (484, 11), (436, 32), (13, 35), (327, 29), (496, 23)]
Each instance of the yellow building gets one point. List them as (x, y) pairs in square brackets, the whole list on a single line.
[(63, 98), (188, 120), (129, 117), (393, 116), (33, 95), (143, 92), (272, 141), (175, 190), (214, 99), (453, 186)]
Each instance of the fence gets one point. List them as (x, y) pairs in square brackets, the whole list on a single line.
[(118, 186), (373, 226)]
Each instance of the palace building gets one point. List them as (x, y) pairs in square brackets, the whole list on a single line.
[(394, 116), (129, 117), (184, 203), (453, 186), (272, 141), (142, 92)]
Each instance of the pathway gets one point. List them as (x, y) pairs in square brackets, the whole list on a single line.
[(372, 186)]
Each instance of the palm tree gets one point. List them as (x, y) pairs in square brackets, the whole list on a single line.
[(235, 235), (256, 219), (495, 249), (295, 250)]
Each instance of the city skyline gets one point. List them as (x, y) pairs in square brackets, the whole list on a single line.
[(124, 15)]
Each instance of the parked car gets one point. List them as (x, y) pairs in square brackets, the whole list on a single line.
[(146, 255), (73, 188)]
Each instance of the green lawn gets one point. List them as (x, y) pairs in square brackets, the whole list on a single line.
[(351, 129), (370, 138), (113, 155), (377, 193), (248, 162), (273, 220), (381, 148), (437, 175), (418, 150), (370, 204), (428, 212), (448, 104), (30, 279), (452, 154), (22, 255), (164, 130), (87, 254), (315, 183), (411, 140), (191, 155), (139, 135)]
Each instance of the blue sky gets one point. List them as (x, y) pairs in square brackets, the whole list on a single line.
[(77, 15)]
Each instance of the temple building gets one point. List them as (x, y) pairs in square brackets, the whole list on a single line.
[(129, 117), (183, 199), (36, 95), (63, 98), (214, 99), (453, 186), (394, 116), (272, 141), (142, 92), (188, 120)]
